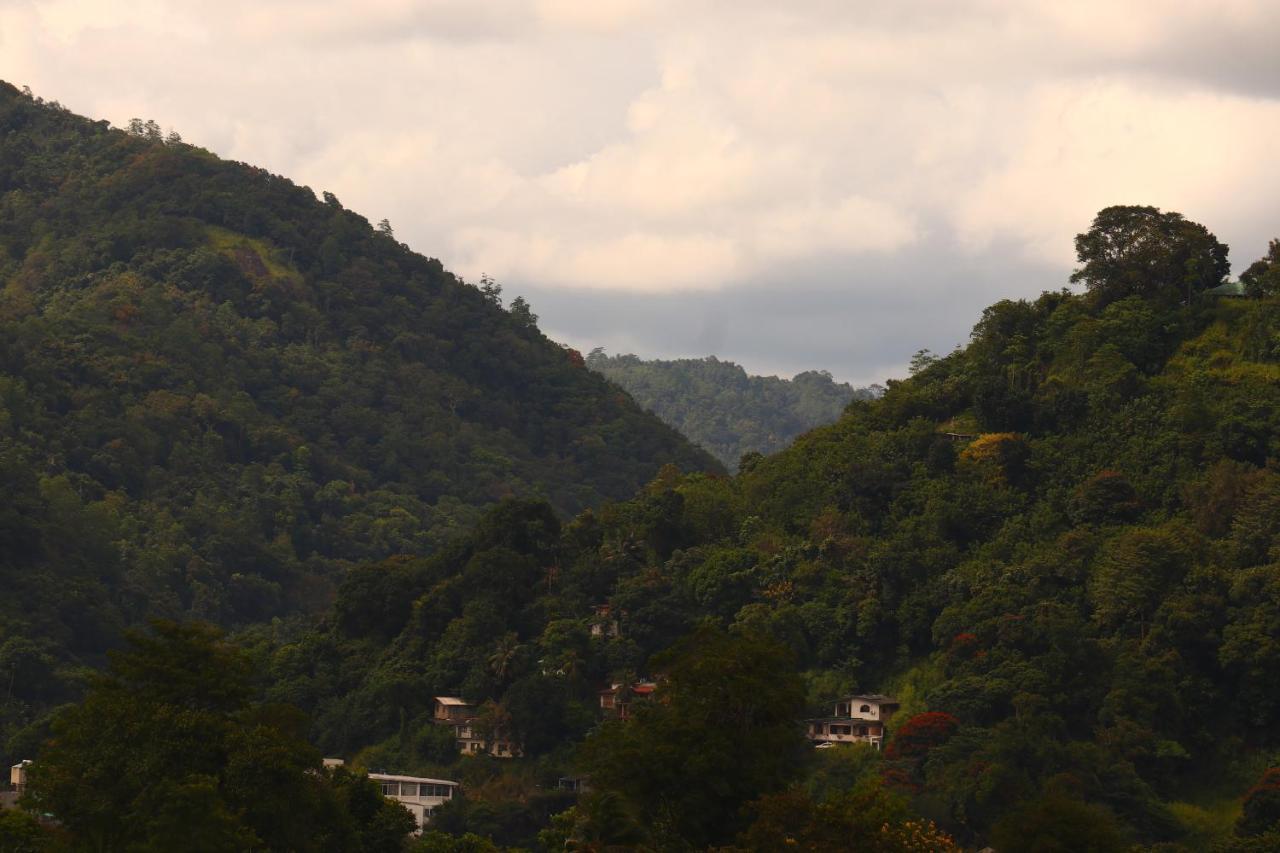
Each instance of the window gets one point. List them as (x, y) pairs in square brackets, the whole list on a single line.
[(841, 730), (390, 789), (865, 709), (408, 789)]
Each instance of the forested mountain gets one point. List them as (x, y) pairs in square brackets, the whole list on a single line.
[(720, 407), (218, 391), (1056, 546)]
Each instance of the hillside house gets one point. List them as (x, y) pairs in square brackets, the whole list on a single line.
[(604, 622), (420, 796), (463, 717), (616, 699), (18, 785), (856, 719)]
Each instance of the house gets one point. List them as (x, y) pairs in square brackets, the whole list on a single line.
[(856, 719), (464, 717), (576, 784), (617, 698), (18, 783), (604, 622), (420, 796)]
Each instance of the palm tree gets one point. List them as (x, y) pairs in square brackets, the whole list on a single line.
[(504, 655)]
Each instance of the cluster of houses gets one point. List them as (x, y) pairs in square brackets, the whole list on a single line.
[(859, 718)]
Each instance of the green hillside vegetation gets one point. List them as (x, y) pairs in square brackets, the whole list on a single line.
[(1059, 547), (218, 392), (1078, 603), (720, 407)]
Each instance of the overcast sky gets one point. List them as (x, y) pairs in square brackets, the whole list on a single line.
[(810, 184)]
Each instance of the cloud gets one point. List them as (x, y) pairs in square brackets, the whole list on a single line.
[(798, 160), (1119, 143)]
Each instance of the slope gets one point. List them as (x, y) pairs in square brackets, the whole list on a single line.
[(217, 391), (717, 405), (1059, 541)]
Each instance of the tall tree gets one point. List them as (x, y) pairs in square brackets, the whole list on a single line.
[(1138, 251), (167, 752), (720, 732)]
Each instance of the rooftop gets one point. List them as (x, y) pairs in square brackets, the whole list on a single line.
[(451, 700), (391, 777), (878, 698)]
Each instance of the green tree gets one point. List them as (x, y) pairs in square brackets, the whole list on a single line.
[(1058, 823), (720, 732), (168, 752), (1138, 251), (1262, 278)]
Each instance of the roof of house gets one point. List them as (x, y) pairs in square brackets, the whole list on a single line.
[(391, 777), (846, 720), (644, 688), (878, 698), (451, 700)]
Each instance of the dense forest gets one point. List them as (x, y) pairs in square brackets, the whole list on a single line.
[(1058, 547), (218, 392), (720, 407)]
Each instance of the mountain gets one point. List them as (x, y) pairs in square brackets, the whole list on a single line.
[(723, 409), (217, 392), (1057, 547)]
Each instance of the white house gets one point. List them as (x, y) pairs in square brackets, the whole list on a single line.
[(857, 719), (420, 796)]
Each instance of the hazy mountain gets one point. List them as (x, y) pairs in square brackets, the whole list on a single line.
[(718, 405)]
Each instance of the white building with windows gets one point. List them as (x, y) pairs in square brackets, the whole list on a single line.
[(857, 719), (419, 795)]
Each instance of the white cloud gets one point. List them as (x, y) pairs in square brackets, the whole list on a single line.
[(650, 146), (1082, 148)]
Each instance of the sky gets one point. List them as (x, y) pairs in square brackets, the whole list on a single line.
[(816, 184)]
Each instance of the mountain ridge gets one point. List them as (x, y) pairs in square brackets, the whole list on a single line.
[(217, 392)]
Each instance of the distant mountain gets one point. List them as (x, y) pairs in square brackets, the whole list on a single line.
[(217, 391), (725, 410)]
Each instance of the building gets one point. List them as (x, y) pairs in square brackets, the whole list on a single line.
[(465, 717), (604, 622), (856, 719), (18, 786), (420, 796), (576, 784), (616, 699)]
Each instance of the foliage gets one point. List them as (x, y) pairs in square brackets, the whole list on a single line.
[(721, 730), (723, 409), (218, 393), (1139, 251), (866, 817), (1060, 541), (222, 397), (1262, 806), (167, 752)]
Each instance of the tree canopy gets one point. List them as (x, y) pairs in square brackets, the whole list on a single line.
[(1134, 250)]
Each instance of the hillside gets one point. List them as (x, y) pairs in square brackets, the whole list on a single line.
[(720, 407), (1056, 546), (217, 392)]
